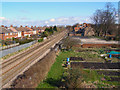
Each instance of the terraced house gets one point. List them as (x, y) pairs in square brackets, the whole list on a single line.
[(35, 29), (19, 32), (25, 31), (7, 33)]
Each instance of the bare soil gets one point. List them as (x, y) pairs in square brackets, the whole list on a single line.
[(109, 73), (94, 65), (76, 59)]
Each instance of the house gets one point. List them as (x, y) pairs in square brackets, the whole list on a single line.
[(18, 32), (35, 29), (83, 30), (6, 33), (42, 29), (89, 31), (25, 31)]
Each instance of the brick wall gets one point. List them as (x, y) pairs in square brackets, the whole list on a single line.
[(8, 36), (99, 45), (96, 45)]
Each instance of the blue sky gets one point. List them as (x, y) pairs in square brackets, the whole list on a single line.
[(49, 13)]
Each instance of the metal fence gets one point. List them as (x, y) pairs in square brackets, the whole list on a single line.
[(14, 49)]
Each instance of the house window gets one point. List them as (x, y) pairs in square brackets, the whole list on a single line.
[(6, 34), (10, 33)]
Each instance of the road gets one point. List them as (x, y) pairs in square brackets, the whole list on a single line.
[(12, 67)]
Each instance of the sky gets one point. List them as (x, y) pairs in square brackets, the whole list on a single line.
[(49, 13)]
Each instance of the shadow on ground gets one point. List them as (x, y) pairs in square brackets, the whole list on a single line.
[(53, 82)]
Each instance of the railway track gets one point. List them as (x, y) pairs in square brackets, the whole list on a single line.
[(6, 63), (10, 70)]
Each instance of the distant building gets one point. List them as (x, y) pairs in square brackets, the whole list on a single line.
[(19, 32), (83, 30)]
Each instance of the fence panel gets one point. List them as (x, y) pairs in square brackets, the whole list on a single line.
[(14, 49)]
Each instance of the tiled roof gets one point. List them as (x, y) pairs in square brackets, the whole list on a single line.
[(5, 30), (35, 28), (13, 29), (23, 29)]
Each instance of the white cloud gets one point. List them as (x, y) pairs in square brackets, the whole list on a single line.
[(2, 18), (46, 22), (52, 20)]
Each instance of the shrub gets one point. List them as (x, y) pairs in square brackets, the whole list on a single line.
[(25, 41), (74, 78), (40, 40), (44, 34)]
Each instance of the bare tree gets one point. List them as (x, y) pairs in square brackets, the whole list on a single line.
[(69, 42), (110, 18), (97, 19), (105, 20)]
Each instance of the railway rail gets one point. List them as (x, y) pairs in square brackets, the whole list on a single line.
[(13, 66)]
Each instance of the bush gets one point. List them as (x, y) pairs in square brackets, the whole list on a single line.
[(44, 34), (40, 40), (74, 78), (25, 41)]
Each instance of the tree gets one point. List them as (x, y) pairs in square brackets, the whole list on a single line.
[(55, 28), (97, 20), (49, 30), (104, 20), (110, 19), (44, 34), (70, 28), (69, 42)]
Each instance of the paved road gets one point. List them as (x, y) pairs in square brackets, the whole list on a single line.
[(12, 67)]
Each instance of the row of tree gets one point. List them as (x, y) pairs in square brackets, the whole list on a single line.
[(49, 31), (105, 21)]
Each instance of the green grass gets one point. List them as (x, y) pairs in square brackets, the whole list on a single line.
[(93, 76), (55, 75), (53, 79)]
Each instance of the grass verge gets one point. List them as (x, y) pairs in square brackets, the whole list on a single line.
[(54, 76)]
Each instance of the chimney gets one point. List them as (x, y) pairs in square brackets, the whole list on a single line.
[(11, 25), (2, 25), (6, 27), (31, 27)]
